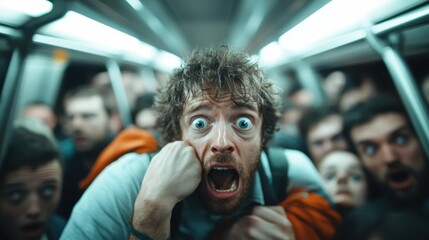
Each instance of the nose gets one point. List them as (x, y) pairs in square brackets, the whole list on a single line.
[(76, 122), (34, 208), (388, 154), (222, 139), (342, 178)]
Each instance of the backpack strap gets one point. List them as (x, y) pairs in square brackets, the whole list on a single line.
[(279, 168)]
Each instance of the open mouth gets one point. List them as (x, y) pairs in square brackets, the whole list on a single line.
[(400, 179), (33, 229), (399, 176), (223, 179)]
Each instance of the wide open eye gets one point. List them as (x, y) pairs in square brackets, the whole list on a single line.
[(329, 175), (370, 149), (16, 196), (199, 123), (356, 177), (47, 192), (401, 139), (244, 123)]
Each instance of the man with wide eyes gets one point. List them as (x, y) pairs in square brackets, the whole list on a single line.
[(30, 185), (210, 181), (382, 135)]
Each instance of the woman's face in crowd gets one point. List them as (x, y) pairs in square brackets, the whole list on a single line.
[(343, 178)]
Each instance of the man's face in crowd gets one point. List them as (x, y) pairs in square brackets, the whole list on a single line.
[(87, 121), (227, 139), (43, 113), (392, 153), (28, 197), (343, 178), (325, 136)]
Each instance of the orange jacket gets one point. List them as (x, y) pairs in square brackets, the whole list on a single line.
[(128, 140), (311, 215)]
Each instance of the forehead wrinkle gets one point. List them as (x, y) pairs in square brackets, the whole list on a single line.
[(198, 106)]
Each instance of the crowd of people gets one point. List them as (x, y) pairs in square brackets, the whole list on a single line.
[(214, 155)]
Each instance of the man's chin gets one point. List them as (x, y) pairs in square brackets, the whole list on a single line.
[(221, 207)]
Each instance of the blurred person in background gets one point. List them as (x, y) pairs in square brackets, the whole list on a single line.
[(144, 115), (30, 184), (355, 92), (344, 180), (382, 135), (134, 86), (88, 117), (321, 128), (333, 84), (42, 111), (287, 136)]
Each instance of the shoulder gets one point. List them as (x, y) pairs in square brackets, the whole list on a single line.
[(106, 206), (132, 162), (299, 163), (125, 174), (302, 173)]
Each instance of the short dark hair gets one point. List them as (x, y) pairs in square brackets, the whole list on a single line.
[(28, 149), (367, 110), (219, 70), (143, 101), (314, 115), (84, 91)]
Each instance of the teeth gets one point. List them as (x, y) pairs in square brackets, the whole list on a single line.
[(232, 188), (221, 168)]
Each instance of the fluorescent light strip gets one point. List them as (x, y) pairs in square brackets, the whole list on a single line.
[(136, 4), (71, 44), (74, 26), (33, 8), (167, 61), (77, 32), (333, 19)]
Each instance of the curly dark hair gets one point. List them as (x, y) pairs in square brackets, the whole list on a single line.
[(216, 70)]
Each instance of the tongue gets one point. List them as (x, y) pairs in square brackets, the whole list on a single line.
[(222, 178)]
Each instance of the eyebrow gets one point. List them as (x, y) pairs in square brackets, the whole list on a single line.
[(14, 185), (208, 106), (204, 106), (51, 181), (352, 167), (19, 184), (404, 127), (239, 105)]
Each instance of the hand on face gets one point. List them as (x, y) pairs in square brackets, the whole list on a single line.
[(263, 223), (173, 174)]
